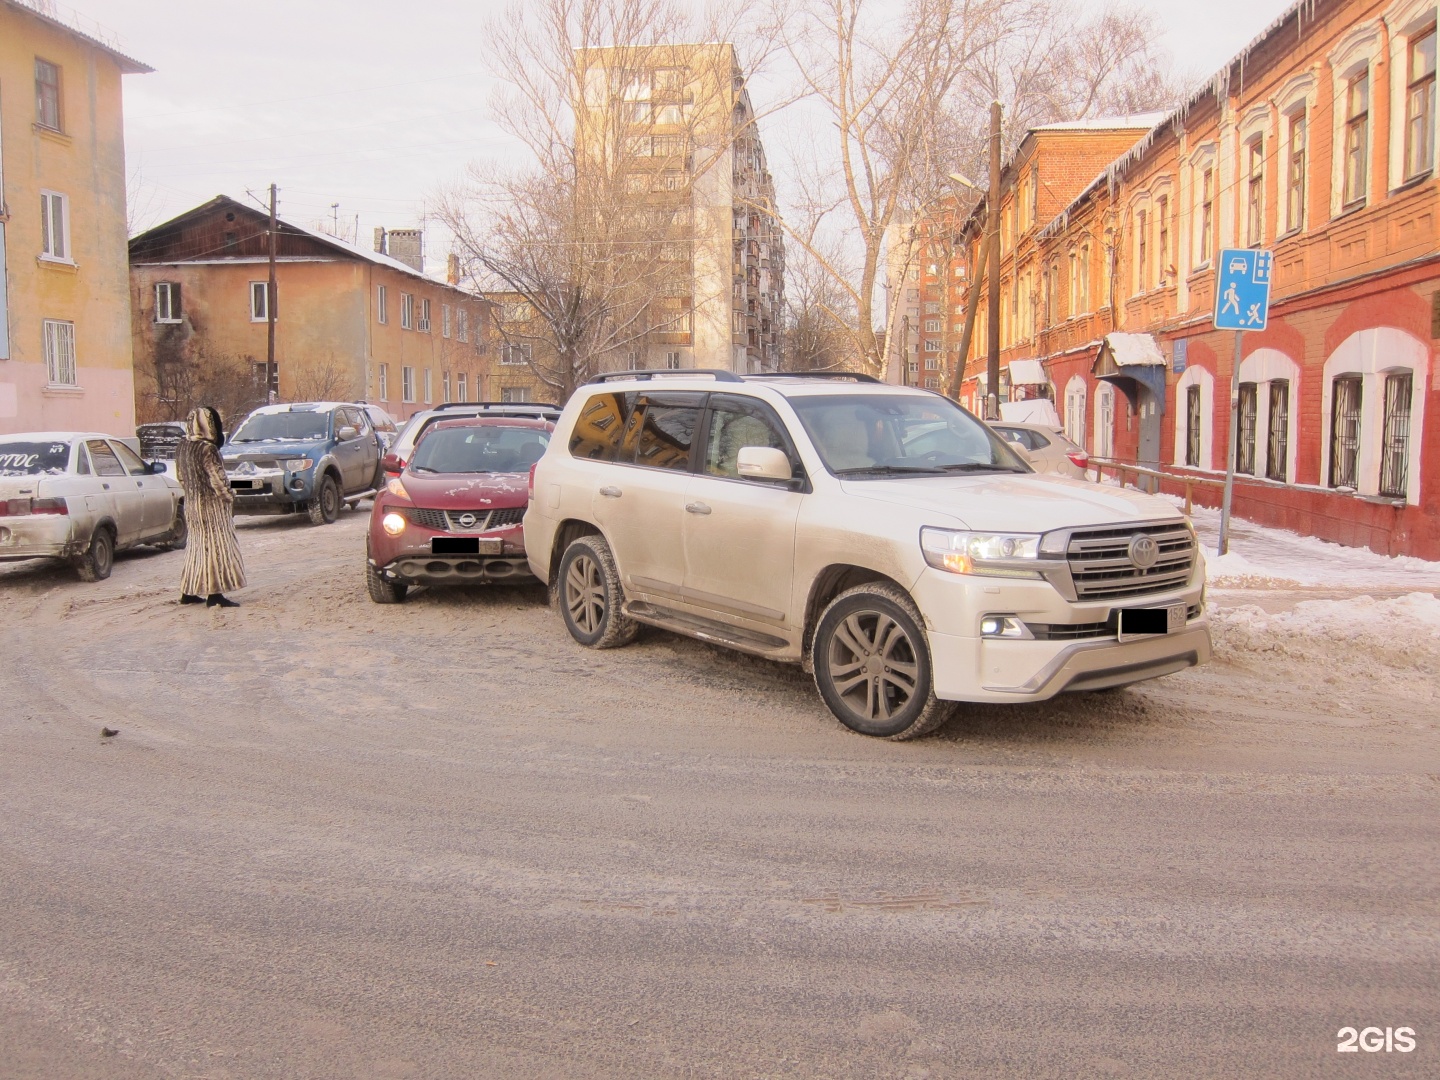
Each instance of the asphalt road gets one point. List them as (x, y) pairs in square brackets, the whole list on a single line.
[(440, 840)]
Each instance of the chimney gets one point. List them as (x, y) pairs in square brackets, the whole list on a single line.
[(380, 240), (408, 247), (452, 269)]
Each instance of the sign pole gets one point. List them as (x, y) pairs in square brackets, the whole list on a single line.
[(1234, 441)]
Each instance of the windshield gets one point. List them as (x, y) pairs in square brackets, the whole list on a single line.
[(274, 427), (867, 436), (33, 458), (479, 450)]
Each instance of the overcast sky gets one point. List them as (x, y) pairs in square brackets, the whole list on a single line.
[(372, 104)]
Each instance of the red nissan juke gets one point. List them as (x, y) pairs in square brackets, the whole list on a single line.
[(453, 516)]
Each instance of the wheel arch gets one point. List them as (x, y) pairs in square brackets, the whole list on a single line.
[(828, 584), (569, 530)]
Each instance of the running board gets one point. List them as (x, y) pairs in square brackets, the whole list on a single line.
[(698, 626)]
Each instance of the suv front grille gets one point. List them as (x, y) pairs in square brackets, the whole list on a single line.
[(449, 520), (1101, 569)]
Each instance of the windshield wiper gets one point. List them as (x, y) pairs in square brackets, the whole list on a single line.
[(979, 466), (422, 468), (891, 470)]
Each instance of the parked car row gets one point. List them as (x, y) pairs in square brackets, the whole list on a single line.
[(906, 554)]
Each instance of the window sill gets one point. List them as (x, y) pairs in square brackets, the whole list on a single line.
[(1346, 211), (64, 389), (1290, 234), (1413, 182), (63, 265), (53, 134), (168, 322)]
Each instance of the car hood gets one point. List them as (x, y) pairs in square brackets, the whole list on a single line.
[(1010, 502), (281, 448), (466, 491)]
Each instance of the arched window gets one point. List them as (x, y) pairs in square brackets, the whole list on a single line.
[(1373, 409), (1104, 446), (1075, 410), (1194, 413)]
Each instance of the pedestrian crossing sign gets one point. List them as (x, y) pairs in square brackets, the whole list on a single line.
[(1242, 289)]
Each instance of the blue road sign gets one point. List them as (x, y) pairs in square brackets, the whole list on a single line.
[(1242, 289)]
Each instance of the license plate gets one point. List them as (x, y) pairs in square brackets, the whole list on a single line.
[(463, 545), (1151, 622)]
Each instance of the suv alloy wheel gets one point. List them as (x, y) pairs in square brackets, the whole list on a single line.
[(590, 596), (872, 664)]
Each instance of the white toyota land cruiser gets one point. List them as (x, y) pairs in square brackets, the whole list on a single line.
[(879, 535)]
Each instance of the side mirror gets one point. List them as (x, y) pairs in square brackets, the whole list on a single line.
[(156, 467), (391, 463), (763, 463), (346, 433)]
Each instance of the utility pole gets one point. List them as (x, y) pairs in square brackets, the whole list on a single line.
[(992, 328), (270, 380)]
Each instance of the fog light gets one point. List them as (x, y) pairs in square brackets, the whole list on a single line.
[(1003, 626), (393, 524)]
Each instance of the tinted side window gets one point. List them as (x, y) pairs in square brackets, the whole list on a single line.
[(601, 426), (668, 430), (106, 463), (1038, 441), (737, 422)]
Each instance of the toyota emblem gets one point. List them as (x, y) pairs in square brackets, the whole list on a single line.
[(467, 521), (1143, 551)]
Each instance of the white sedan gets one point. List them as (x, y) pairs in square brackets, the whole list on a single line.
[(80, 496)]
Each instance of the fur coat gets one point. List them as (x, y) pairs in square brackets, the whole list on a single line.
[(212, 554)]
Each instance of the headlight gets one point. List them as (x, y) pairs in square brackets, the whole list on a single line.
[(298, 464), (395, 487), (992, 554), (393, 523)]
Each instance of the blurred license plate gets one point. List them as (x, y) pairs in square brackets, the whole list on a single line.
[(1149, 622), (463, 545)]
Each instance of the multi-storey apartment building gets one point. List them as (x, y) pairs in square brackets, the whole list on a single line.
[(925, 293), (350, 323), (1317, 143), (690, 143), (65, 359)]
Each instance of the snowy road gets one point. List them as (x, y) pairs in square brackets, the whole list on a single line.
[(339, 840)]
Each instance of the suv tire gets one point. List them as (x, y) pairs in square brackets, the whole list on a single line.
[(872, 664), (99, 557), (324, 508), (382, 591), (590, 596)]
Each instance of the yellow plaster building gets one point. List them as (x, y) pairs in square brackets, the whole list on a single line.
[(65, 361)]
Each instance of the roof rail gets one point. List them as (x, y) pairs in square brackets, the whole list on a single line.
[(857, 376), (496, 405), (643, 374)]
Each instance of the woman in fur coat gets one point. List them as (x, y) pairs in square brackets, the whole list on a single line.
[(212, 557)]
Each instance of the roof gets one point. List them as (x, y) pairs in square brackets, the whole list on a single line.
[(93, 33), (482, 420), (343, 247)]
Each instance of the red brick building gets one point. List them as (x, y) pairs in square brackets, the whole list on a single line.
[(1318, 142)]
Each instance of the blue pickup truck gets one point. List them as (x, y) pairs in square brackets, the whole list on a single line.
[(307, 457)]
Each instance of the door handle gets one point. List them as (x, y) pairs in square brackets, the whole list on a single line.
[(696, 508), (610, 492), (105, 486)]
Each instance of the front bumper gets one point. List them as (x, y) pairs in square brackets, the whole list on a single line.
[(271, 491), (407, 559), (969, 667)]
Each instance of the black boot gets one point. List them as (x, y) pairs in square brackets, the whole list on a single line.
[(189, 598), (216, 600)]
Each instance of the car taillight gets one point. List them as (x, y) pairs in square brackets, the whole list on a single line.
[(530, 484), (21, 507), (1079, 459)]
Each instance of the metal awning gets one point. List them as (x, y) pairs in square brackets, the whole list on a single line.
[(1129, 361)]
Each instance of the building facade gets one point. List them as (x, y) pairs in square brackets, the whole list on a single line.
[(521, 349), (1316, 143), (690, 147), (65, 360), (350, 324)]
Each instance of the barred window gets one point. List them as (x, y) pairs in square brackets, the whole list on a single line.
[(1277, 449), (59, 343), (1395, 435), (1245, 429), (1345, 432), (1192, 426)]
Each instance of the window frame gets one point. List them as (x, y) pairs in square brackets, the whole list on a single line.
[(422, 322), (1425, 84), (383, 378), (58, 96), (59, 334), (382, 304), (172, 305), (1297, 166), (407, 311), (1355, 141), (1255, 191), (407, 384), (49, 200), (260, 290)]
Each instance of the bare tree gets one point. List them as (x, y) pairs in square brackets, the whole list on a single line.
[(328, 381), (818, 314), (595, 232), (887, 85), (169, 385)]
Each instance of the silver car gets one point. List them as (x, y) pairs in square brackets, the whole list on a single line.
[(1047, 449), (80, 496)]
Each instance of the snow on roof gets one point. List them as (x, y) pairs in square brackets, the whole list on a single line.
[(369, 255), (1139, 121), (1027, 372), (1133, 350)]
